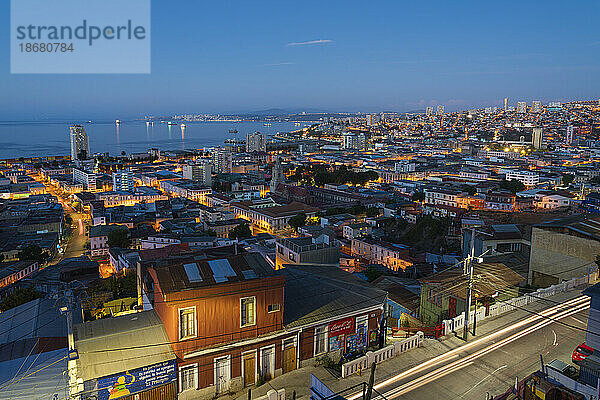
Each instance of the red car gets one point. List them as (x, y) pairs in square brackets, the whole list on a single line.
[(582, 351)]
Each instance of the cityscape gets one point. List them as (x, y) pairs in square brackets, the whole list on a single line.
[(301, 202)]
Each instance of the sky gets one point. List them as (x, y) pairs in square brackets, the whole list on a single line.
[(369, 56)]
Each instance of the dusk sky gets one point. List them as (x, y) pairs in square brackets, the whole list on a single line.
[(240, 56)]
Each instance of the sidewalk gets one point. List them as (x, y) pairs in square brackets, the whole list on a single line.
[(299, 380)]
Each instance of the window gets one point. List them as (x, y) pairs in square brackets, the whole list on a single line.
[(247, 311), (292, 256), (273, 307), (320, 340), (187, 322), (188, 377)]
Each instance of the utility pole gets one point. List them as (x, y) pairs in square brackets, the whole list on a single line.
[(72, 352), (469, 285), (369, 393)]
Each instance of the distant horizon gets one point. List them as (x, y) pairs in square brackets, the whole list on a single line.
[(285, 111)]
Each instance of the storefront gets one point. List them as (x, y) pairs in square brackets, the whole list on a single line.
[(351, 334)]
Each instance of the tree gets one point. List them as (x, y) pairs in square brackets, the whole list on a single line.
[(567, 179), (372, 273), (119, 238), (297, 221), (33, 252), (469, 189), (418, 196), (512, 186), (372, 212), (242, 231), (18, 297)]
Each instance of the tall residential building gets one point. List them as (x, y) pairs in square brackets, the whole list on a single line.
[(569, 135), (354, 141), (537, 138), (506, 104), (222, 160), (277, 176), (85, 177), (521, 107), (80, 148), (536, 106), (440, 110), (429, 111), (199, 172), (255, 142), (123, 181), (371, 119)]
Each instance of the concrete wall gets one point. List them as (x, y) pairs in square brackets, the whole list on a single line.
[(557, 256)]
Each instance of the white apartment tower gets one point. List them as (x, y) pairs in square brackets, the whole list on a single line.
[(123, 181), (521, 107), (569, 135), (222, 161), (506, 104), (80, 148), (536, 106), (537, 138), (256, 142), (440, 110), (201, 172)]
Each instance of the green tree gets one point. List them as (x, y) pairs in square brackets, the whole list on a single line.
[(297, 221), (469, 189), (418, 196), (68, 220), (372, 273), (512, 186), (242, 231), (33, 252), (372, 212), (18, 297), (567, 179), (119, 238)]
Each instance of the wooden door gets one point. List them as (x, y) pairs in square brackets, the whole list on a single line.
[(451, 307), (289, 358), (249, 369)]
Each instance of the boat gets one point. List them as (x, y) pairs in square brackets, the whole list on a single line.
[(233, 131), (118, 121), (172, 123), (183, 125), (268, 124), (89, 122)]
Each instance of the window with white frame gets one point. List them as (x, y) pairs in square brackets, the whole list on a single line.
[(273, 308), (320, 340), (188, 377), (187, 322), (247, 311)]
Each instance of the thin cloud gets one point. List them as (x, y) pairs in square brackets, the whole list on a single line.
[(278, 64), (310, 42)]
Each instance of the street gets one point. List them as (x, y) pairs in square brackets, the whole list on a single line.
[(491, 363)]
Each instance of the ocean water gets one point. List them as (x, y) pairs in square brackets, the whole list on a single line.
[(23, 139)]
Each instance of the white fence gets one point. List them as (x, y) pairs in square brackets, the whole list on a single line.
[(273, 395), (458, 322), (364, 362)]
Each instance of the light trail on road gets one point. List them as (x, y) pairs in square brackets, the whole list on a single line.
[(559, 311), (467, 360)]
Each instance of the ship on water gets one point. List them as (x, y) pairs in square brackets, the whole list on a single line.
[(233, 131), (118, 122)]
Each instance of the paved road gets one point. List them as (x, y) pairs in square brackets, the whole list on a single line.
[(490, 363)]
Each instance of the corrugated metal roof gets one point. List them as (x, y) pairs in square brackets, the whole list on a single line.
[(112, 345)]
